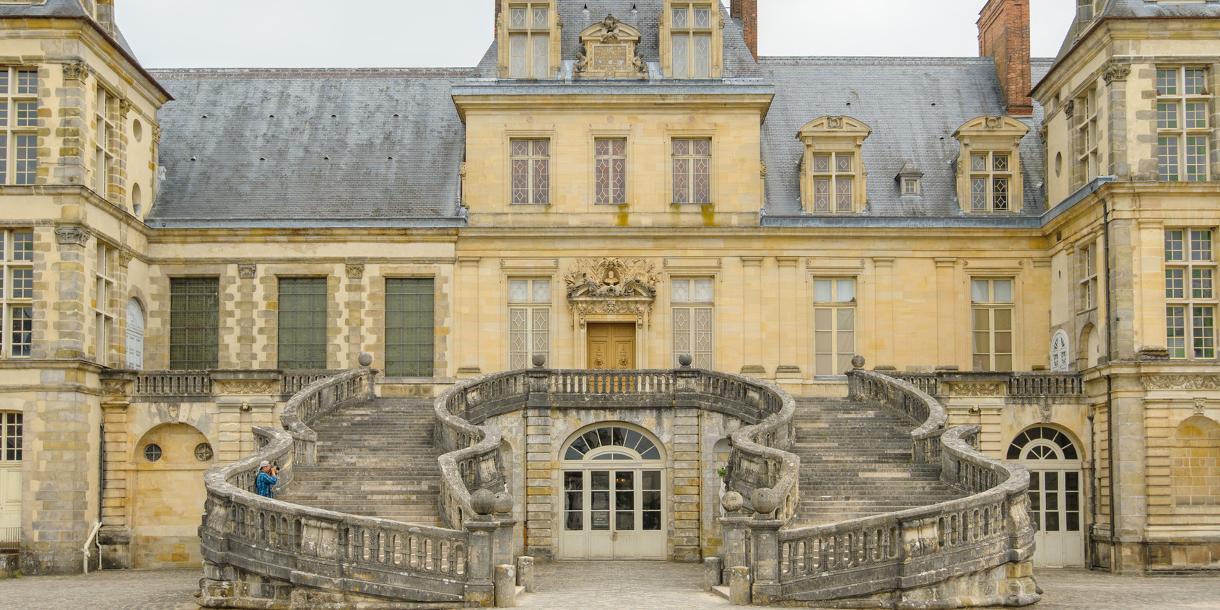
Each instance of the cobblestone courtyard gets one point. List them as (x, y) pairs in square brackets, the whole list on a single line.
[(602, 586)]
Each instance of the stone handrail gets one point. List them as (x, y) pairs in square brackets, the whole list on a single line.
[(205, 385), (914, 548), (760, 468), (1038, 384), (323, 549), (173, 383), (1045, 384)]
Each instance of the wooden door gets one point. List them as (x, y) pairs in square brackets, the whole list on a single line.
[(611, 347)]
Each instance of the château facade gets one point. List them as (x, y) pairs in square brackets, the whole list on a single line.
[(616, 185)]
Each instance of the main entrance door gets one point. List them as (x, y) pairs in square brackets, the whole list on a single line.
[(611, 346), (613, 497), (1055, 495)]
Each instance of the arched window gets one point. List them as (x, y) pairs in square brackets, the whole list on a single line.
[(1196, 480), (135, 335), (1042, 443), (1060, 352), (1056, 492), (597, 445)]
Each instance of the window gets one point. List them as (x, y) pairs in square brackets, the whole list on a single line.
[(1084, 11), (692, 162), (17, 252), (911, 186), (993, 324), (1088, 277), (106, 141), (135, 335), (11, 437), (834, 325), (1183, 135), (1190, 293), (610, 165), (529, 40), (410, 327), (103, 302), (694, 319), (1087, 144), (531, 167), (529, 320), (302, 323), (834, 175), (990, 181), (194, 312), (19, 120), (690, 38)]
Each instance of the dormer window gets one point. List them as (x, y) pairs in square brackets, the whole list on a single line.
[(608, 50), (691, 39), (833, 180), (910, 180), (989, 168), (911, 187), (528, 40)]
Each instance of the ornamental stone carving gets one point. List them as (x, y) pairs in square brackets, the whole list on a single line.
[(76, 71), (1116, 72), (247, 271), (977, 389), (1181, 382), (608, 50), (248, 387), (71, 235), (612, 278), (355, 271)]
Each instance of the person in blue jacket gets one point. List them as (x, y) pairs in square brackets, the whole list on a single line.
[(267, 479)]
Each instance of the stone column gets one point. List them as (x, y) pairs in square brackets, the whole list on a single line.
[(73, 125), (684, 489), (353, 308), (883, 304), (247, 307), (539, 467), (467, 320), (946, 313), (789, 329), (480, 589), (765, 535), (115, 535), (752, 320), (1128, 480)]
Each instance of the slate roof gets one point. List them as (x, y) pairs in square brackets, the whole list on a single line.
[(309, 146), (1137, 9), (913, 105)]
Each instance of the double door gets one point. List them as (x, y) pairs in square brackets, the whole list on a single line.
[(613, 513), (1055, 501)]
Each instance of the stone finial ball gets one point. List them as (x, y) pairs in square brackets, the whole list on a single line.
[(732, 501), (539, 360), (765, 500), (483, 502), (857, 361), (365, 359), (504, 503), (685, 361)]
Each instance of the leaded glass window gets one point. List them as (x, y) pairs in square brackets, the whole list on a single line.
[(692, 170), (610, 164), (834, 180), (410, 327), (690, 35), (302, 323), (694, 320), (1183, 104), (17, 291), (19, 124), (194, 316), (529, 40), (1190, 293), (834, 325), (529, 320), (990, 182), (531, 170), (993, 318)]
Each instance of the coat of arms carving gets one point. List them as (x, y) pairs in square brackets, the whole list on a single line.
[(612, 278)]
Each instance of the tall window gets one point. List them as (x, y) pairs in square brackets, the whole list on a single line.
[(302, 323), (1183, 135), (19, 120), (410, 325), (529, 40), (834, 175), (692, 160), (529, 321), (531, 167), (691, 39), (1088, 277), (17, 252), (1088, 158), (834, 325), (694, 319), (993, 324), (610, 165), (990, 181), (1190, 293), (103, 307), (10, 436), (106, 140), (194, 329)]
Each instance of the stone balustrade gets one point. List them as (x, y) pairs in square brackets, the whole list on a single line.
[(202, 386), (1012, 387)]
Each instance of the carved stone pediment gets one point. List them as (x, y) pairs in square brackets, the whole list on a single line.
[(620, 279), (608, 50)]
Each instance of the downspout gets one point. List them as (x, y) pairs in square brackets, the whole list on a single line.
[(1105, 215)]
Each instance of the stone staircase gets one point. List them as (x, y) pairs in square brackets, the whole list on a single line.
[(856, 462), (376, 459)]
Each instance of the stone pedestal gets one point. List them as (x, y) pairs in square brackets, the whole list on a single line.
[(506, 586)]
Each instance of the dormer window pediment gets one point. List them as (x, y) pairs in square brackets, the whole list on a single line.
[(989, 165), (833, 177), (608, 50)]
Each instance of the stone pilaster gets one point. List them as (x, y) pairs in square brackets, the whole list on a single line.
[(751, 348), (540, 520), (72, 126), (115, 535), (70, 292), (1116, 80), (467, 319), (946, 312), (1128, 477), (353, 306), (788, 335), (247, 307), (883, 299), (684, 487)]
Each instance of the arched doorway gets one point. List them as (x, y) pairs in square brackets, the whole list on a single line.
[(613, 495), (168, 496), (135, 335), (1056, 494)]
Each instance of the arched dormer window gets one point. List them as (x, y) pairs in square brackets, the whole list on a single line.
[(989, 165), (691, 39), (833, 177), (528, 37)]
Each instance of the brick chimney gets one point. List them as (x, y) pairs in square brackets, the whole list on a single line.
[(1004, 37), (746, 11)]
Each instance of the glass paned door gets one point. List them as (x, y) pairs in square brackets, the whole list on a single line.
[(613, 514)]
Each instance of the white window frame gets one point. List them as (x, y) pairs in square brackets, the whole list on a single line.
[(104, 316), (991, 173), (537, 329), (1087, 265), (1174, 134), (1087, 137), (692, 33), (12, 425), (105, 140), (836, 202), (693, 308), (10, 266), (837, 304), (990, 306), (533, 34), (1191, 293), (19, 122)]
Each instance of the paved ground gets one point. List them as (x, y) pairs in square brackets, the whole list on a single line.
[(602, 586)]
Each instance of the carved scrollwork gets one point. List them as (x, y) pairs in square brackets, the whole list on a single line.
[(71, 235), (977, 389), (248, 387), (1181, 382), (608, 50), (355, 271), (76, 72), (609, 278), (247, 271), (1116, 72)]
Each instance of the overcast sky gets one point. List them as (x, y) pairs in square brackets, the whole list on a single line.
[(381, 33)]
